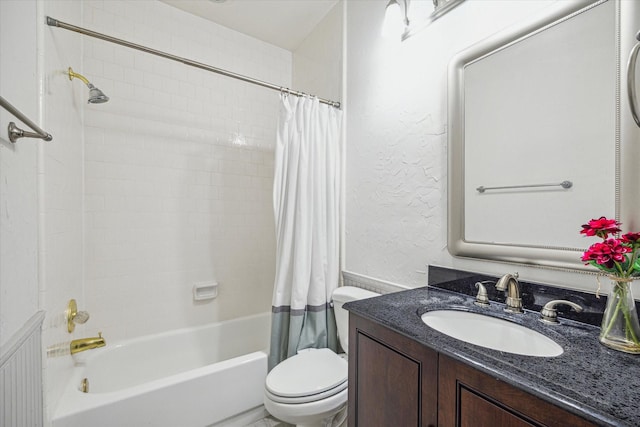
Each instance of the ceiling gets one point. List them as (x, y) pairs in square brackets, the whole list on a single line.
[(284, 23)]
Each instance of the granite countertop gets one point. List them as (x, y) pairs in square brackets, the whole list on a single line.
[(588, 379)]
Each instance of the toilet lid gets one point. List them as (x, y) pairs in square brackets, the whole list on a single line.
[(307, 373)]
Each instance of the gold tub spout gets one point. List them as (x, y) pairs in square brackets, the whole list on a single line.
[(84, 344)]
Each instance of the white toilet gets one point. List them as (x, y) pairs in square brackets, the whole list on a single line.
[(310, 388)]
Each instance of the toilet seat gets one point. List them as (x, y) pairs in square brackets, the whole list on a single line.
[(307, 377)]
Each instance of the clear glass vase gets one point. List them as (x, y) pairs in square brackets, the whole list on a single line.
[(620, 327)]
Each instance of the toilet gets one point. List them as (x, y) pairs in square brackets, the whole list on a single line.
[(310, 388)]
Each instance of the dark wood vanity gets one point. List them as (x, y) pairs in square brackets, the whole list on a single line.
[(395, 381)]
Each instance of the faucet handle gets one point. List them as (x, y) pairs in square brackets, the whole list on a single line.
[(482, 298), (81, 317), (74, 316), (549, 313)]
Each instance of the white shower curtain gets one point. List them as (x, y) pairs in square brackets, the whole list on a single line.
[(306, 200)]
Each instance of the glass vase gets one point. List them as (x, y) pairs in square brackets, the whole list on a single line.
[(620, 327)]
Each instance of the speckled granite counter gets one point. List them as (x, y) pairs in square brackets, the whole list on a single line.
[(588, 379)]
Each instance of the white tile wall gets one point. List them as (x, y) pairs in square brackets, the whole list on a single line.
[(18, 201), (20, 338), (170, 198), (61, 188)]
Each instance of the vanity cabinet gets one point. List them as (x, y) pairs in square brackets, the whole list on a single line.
[(395, 381)]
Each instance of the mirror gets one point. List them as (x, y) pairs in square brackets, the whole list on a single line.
[(534, 137)]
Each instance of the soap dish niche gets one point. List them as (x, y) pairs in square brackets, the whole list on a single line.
[(205, 291)]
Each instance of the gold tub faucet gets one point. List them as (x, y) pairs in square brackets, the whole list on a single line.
[(84, 344)]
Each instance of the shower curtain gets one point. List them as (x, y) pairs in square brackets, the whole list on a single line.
[(306, 200)]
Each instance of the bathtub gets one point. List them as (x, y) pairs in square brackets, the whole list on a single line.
[(188, 377)]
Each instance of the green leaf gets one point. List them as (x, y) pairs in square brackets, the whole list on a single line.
[(602, 267), (625, 265)]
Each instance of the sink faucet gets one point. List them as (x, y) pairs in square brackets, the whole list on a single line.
[(84, 344), (549, 313), (509, 283)]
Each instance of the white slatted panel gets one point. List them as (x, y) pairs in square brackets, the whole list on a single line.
[(21, 377)]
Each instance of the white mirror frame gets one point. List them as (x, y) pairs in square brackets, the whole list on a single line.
[(547, 256)]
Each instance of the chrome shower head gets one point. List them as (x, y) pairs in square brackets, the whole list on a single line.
[(96, 96)]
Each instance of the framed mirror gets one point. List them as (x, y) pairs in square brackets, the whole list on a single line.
[(534, 137)]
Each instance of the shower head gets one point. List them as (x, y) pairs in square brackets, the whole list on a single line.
[(96, 96)]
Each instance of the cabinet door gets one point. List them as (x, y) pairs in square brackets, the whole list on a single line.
[(470, 398), (392, 379), (476, 410)]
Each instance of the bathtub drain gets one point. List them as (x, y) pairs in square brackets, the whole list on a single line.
[(84, 385)]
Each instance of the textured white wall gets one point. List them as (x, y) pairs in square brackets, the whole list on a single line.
[(178, 171), (396, 142), (18, 173)]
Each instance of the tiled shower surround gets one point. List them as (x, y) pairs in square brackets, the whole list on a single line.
[(178, 171)]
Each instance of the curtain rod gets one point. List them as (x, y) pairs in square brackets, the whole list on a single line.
[(55, 23)]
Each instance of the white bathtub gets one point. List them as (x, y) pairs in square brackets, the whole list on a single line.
[(182, 378)]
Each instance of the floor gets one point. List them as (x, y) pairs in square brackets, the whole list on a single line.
[(269, 422)]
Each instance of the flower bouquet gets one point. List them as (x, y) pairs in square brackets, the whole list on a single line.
[(617, 257)]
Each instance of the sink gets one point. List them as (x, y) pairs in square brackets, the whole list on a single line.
[(491, 332)]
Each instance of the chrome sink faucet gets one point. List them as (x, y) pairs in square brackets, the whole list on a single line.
[(509, 284)]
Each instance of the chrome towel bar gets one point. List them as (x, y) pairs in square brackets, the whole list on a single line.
[(563, 184), (15, 132)]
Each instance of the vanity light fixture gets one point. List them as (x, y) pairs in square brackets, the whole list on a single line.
[(395, 25), (420, 22), (440, 7)]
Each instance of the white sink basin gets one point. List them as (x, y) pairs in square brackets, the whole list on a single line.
[(491, 332)]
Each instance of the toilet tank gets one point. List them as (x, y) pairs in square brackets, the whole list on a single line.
[(340, 296)]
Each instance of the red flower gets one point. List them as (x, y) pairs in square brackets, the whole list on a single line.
[(606, 253), (631, 238), (600, 227)]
